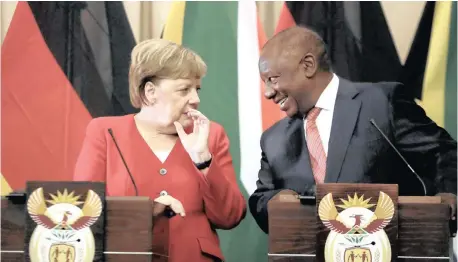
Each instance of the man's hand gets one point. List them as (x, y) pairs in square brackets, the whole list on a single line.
[(162, 202), (450, 199)]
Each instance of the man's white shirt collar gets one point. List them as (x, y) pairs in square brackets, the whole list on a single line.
[(327, 99)]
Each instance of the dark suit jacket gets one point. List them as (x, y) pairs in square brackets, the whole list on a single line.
[(357, 152)]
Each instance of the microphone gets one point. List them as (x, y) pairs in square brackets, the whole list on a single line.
[(399, 154), (309, 196), (124, 161), (17, 197)]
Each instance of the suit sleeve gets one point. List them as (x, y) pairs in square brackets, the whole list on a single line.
[(91, 162), (265, 191), (225, 204), (424, 144)]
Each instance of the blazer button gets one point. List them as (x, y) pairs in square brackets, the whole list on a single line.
[(163, 193), (163, 171)]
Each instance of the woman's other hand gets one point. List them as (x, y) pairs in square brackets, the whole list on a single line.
[(162, 202)]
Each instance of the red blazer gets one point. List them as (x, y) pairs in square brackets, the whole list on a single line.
[(214, 201)]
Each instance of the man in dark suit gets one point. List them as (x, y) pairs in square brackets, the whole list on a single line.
[(330, 133)]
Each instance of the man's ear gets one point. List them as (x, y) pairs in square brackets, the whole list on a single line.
[(309, 65)]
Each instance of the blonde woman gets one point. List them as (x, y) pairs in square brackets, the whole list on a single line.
[(176, 156)]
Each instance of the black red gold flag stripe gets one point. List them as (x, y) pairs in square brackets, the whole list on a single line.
[(63, 63)]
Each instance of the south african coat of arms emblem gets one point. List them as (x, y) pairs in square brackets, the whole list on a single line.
[(63, 231), (356, 233)]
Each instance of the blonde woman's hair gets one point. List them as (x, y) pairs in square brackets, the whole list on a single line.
[(156, 59)]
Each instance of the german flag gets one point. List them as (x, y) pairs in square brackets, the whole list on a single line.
[(63, 63)]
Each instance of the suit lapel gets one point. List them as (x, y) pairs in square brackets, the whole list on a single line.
[(297, 151), (293, 135), (346, 112)]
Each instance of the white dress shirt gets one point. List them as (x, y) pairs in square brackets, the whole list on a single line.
[(326, 102)]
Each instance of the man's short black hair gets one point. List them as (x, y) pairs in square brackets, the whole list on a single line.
[(298, 35)]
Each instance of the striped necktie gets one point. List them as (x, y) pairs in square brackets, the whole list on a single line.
[(315, 146)]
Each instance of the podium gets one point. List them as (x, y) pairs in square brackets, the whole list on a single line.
[(124, 229), (357, 223)]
